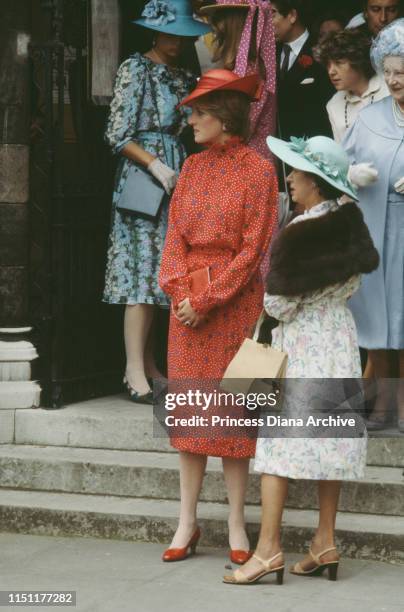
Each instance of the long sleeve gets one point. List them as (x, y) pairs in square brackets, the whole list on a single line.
[(282, 308), (126, 104), (260, 217), (285, 309), (173, 278)]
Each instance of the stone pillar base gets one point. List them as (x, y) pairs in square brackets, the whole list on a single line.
[(16, 388), (19, 394)]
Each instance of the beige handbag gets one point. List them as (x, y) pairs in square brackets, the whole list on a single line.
[(253, 365)]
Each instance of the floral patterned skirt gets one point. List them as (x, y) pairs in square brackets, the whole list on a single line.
[(312, 459), (136, 244), (321, 344)]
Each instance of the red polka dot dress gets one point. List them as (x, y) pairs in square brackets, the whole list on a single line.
[(222, 214)]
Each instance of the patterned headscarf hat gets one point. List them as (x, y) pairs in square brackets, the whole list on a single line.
[(265, 37)]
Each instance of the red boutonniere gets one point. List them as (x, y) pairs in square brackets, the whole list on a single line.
[(306, 61)]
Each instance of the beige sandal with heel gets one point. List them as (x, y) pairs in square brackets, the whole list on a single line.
[(239, 578), (331, 566)]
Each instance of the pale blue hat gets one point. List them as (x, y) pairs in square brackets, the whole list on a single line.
[(319, 155), (172, 17), (389, 42)]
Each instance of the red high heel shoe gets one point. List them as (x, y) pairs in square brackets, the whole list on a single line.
[(239, 557), (179, 554)]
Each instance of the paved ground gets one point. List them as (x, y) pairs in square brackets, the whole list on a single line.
[(119, 576)]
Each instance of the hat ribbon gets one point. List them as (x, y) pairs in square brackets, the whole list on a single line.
[(265, 42), (299, 145)]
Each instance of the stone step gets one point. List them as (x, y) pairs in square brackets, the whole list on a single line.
[(109, 422), (386, 451), (360, 536), (155, 475), (116, 423)]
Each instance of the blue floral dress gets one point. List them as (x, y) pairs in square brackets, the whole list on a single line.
[(135, 244)]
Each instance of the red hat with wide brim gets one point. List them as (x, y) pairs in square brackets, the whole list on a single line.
[(224, 80)]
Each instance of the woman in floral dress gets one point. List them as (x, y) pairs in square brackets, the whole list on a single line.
[(134, 133), (316, 264), (222, 215)]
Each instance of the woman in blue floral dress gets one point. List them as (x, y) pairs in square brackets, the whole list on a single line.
[(143, 83)]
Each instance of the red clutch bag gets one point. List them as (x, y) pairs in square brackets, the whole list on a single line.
[(199, 280)]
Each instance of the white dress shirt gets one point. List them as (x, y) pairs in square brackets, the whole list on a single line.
[(296, 47), (344, 107), (356, 21)]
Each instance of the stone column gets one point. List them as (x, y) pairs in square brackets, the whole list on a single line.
[(16, 352)]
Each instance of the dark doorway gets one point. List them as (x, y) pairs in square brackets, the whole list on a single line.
[(79, 338)]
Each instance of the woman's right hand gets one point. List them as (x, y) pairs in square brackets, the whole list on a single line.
[(164, 174)]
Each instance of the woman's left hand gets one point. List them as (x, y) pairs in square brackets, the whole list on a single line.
[(187, 315), (399, 186)]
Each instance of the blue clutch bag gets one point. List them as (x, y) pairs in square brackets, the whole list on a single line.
[(141, 195)]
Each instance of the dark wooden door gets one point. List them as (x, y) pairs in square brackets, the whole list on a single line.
[(78, 337)]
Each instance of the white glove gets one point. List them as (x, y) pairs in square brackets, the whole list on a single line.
[(362, 175), (164, 174), (399, 186)]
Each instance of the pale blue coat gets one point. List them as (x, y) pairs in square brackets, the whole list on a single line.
[(378, 306)]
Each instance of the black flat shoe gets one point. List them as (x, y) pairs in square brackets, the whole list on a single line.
[(134, 396), (146, 398)]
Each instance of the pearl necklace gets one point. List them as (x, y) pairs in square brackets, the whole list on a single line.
[(372, 99), (398, 113)]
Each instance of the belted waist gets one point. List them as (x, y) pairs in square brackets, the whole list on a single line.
[(214, 257), (395, 198), (219, 251), (155, 135)]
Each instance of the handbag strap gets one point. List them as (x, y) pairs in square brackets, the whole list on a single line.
[(258, 326), (154, 98)]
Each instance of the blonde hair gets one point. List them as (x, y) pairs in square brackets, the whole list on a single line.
[(228, 25)]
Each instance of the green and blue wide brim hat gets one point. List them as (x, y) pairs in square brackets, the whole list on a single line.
[(172, 17), (318, 155)]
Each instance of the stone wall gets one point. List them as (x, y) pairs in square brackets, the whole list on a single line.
[(16, 352)]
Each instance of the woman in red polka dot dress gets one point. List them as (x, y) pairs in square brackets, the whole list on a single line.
[(222, 216)]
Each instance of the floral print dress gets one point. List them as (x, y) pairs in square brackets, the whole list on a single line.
[(318, 334), (135, 244)]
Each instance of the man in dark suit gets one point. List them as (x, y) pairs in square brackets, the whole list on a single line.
[(380, 13), (303, 84)]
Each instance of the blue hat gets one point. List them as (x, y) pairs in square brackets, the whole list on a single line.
[(318, 155), (389, 42), (172, 17)]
